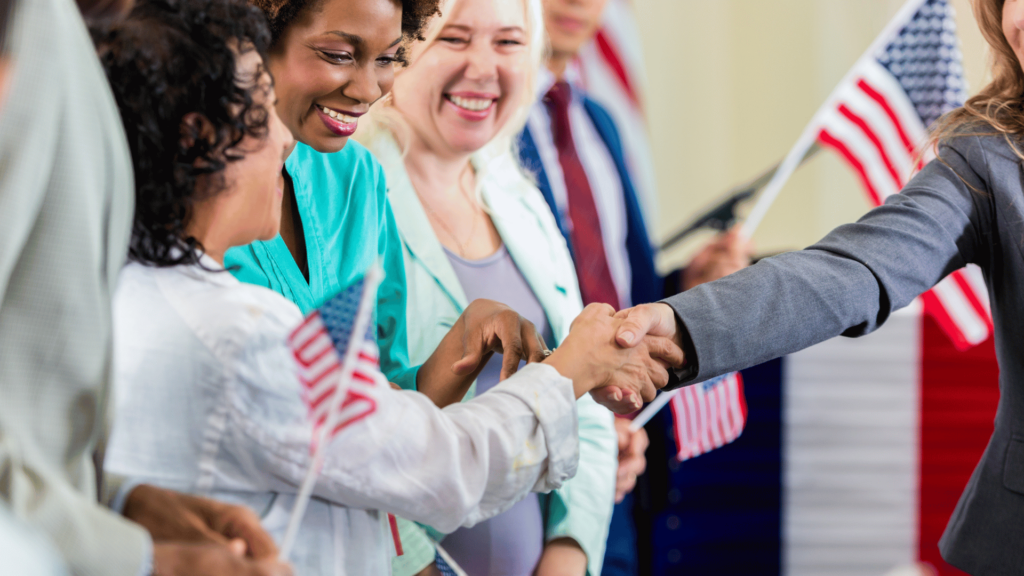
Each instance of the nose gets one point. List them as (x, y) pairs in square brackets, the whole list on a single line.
[(481, 63), (362, 85)]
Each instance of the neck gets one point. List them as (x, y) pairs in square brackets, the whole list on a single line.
[(433, 173), (558, 62), (204, 228)]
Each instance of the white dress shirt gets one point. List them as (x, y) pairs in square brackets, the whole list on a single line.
[(208, 402), (602, 175)]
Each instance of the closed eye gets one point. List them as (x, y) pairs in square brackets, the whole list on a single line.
[(336, 57)]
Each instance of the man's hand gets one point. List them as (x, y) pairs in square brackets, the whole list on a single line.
[(728, 253), (591, 359), (190, 559), (174, 517), (656, 319), (486, 327), (632, 459)]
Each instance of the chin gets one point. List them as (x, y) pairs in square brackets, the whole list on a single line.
[(326, 144)]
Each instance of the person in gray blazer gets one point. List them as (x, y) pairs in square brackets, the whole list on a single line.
[(966, 207), (65, 216)]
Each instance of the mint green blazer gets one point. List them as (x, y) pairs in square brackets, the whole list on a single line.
[(582, 508)]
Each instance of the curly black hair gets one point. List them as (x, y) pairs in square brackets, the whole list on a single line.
[(281, 13), (166, 60)]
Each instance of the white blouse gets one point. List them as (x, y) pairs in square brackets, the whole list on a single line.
[(208, 402)]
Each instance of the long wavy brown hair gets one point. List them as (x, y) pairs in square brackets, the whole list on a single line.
[(999, 108)]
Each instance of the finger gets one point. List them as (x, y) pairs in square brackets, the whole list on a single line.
[(536, 349), (271, 568), (647, 389), (664, 350), (607, 395), (237, 522), (512, 353), (238, 547)]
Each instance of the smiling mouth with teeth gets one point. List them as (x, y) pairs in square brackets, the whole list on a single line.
[(471, 104), (343, 118)]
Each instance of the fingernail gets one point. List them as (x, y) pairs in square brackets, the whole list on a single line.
[(628, 337)]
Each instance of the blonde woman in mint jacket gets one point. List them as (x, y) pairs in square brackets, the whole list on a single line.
[(473, 226)]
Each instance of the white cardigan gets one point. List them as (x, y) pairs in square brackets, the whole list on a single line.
[(208, 402)]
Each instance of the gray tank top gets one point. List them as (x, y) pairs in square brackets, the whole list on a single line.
[(511, 543)]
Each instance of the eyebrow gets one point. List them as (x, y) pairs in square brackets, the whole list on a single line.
[(504, 29), (358, 40)]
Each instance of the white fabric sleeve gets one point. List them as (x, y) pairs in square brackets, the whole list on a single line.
[(444, 468)]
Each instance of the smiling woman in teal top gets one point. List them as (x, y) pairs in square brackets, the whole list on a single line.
[(344, 232)]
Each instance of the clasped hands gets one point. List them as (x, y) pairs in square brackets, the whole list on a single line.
[(620, 375)]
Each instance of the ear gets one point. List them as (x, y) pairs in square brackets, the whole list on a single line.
[(195, 127)]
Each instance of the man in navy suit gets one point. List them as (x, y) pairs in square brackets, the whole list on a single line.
[(572, 146)]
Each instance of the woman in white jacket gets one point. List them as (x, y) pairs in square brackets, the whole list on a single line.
[(207, 394), (474, 226)]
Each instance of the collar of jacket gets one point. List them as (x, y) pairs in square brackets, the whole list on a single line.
[(516, 210)]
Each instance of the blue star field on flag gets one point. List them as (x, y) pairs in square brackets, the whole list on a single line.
[(925, 58), (338, 315)]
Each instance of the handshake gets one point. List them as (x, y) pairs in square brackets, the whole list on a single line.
[(621, 358)]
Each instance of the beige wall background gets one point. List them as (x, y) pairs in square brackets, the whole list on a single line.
[(731, 84)]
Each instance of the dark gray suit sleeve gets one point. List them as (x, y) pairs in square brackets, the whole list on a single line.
[(849, 282)]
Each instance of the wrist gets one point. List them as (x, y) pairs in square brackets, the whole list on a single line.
[(582, 380)]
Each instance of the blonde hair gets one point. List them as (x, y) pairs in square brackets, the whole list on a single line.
[(999, 108), (384, 116)]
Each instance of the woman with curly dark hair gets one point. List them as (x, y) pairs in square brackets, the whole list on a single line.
[(208, 395)]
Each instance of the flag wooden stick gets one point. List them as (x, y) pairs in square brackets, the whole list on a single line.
[(653, 408), (359, 328), (810, 133)]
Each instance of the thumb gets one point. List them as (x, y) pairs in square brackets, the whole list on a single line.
[(472, 356), (238, 547), (635, 326)]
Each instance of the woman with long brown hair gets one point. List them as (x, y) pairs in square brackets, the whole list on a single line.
[(967, 207)]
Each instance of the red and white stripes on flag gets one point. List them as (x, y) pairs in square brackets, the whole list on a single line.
[(708, 415), (878, 124), (877, 119), (320, 371)]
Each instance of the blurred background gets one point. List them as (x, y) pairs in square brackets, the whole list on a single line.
[(729, 86)]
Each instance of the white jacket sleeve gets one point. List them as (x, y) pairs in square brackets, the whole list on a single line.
[(445, 468)]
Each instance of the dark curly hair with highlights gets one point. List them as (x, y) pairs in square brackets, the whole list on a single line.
[(281, 13), (166, 60)]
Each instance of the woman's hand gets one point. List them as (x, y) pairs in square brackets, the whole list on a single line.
[(632, 458), (592, 359), (176, 517), (486, 327)]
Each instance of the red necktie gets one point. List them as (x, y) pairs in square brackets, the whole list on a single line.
[(584, 225)]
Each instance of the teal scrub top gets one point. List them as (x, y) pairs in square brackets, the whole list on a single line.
[(348, 225)]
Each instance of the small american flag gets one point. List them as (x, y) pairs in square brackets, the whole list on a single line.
[(708, 415), (878, 120), (319, 346), (338, 375)]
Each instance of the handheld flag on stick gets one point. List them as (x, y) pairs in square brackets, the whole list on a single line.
[(877, 120), (705, 416), (338, 360)]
